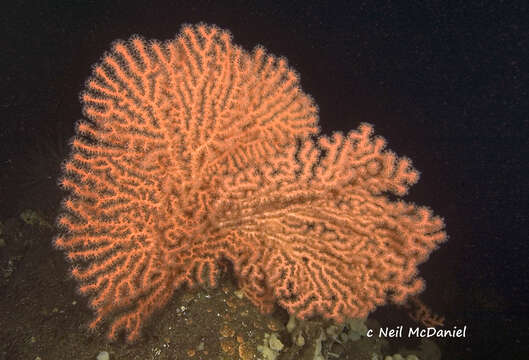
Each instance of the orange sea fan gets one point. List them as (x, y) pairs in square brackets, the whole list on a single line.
[(194, 152)]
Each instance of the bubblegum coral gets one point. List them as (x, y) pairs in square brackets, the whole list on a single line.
[(196, 152)]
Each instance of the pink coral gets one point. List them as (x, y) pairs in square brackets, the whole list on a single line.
[(195, 152)]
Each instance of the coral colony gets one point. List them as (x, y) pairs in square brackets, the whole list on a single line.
[(195, 152)]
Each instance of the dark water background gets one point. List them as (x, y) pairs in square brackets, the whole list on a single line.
[(445, 84)]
